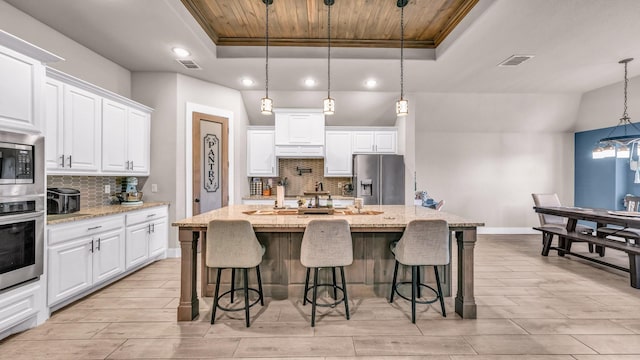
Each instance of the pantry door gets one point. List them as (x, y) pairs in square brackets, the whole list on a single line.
[(210, 162)]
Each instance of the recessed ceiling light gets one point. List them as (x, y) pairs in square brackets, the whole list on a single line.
[(247, 82), (180, 52), (370, 83), (309, 82)]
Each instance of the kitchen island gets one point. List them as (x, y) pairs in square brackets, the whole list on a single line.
[(282, 273)]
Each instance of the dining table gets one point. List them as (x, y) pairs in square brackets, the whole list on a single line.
[(616, 220), (281, 230)]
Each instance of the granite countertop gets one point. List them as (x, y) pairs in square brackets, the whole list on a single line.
[(391, 218), (88, 213), (293, 197)]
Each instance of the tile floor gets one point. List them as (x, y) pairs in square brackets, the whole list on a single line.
[(529, 307)]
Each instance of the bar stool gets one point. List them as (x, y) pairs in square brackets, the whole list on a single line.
[(424, 242), (326, 244), (232, 244)]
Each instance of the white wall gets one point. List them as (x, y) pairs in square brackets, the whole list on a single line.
[(471, 153), (169, 94), (79, 60), (603, 107), (159, 91), (406, 146), (194, 91)]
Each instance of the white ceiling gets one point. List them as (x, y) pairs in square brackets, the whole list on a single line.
[(576, 43)]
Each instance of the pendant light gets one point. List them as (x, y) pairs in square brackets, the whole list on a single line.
[(266, 104), (402, 105), (619, 146), (329, 106)]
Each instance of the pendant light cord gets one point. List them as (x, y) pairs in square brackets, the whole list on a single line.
[(329, 51), (402, 53), (266, 66), (625, 116)]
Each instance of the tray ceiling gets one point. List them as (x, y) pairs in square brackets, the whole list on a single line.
[(354, 23)]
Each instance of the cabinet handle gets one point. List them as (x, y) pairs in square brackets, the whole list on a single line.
[(91, 249), (98, 244), (151, 215), (69, 161), (131, 165), (127, 167), (62, 157), (153, 228), (95, 227)]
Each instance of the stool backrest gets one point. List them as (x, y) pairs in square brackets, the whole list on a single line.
[(232, 244), (424, 242), (548, 200), (326, 243)]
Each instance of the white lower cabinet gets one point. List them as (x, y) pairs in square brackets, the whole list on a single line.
[(147, 232), (83, 254)]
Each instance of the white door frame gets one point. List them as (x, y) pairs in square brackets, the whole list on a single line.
[(190, 109)]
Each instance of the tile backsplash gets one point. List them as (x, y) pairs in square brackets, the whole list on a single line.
[(298, 183), (91, 187)]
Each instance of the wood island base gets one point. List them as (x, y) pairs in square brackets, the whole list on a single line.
[(283, 275)]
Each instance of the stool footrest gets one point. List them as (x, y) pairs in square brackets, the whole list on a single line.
[(422, 286), (333, 304), (236, 290)]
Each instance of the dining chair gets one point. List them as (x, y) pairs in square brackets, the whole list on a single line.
[(632, 205), (552, 200)]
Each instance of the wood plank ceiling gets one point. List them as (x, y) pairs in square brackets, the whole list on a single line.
[(354, 23)]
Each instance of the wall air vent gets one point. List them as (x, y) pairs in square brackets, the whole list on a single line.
[(189, 64), (515, 60)]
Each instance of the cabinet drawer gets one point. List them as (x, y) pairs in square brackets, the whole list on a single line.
[(146, 215), (76, 229), (18, 305)]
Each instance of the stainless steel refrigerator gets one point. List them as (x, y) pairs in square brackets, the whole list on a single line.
[(379, 179)]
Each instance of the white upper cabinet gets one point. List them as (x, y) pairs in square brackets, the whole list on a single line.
[(261, 157), (125, 139), (22, 72), (375, 142), (54, 124), (300, 127), (92, 131), (72, 128), (81, 129), (338, 155)]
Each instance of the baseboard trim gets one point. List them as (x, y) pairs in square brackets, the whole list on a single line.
[(174, 253), (506, 230)]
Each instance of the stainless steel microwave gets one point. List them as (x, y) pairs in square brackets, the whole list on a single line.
[(21, 164)]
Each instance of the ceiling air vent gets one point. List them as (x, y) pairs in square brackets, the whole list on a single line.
[(189, 64), (515, 60)]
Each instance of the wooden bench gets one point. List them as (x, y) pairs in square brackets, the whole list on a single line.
[(565, 239)]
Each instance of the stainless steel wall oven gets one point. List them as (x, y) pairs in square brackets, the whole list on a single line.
[(22, 209)]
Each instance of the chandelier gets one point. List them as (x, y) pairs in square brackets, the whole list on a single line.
[(266, 104), (619, 146)]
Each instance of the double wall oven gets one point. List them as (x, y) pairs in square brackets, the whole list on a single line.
[(22, 212)]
